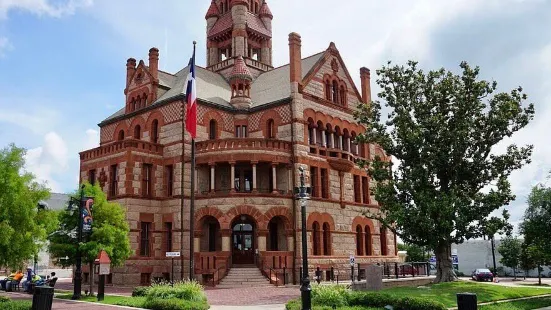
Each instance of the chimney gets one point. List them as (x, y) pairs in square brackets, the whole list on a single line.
[(295, 59), (130, 69), (365, 76), (154, 62)]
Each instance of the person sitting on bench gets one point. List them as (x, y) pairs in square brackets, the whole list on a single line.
[(15, 281), (52, 280), (27, 285), (3, 282)]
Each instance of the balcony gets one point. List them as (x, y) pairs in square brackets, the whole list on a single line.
[(243, 149), (121, 146)]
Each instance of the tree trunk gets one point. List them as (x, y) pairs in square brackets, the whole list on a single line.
[(444, 265), (91, 279), (539, 275), (515, 273)]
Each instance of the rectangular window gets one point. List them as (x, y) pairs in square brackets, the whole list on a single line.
[(241, 131), (365, 190), (237, 131), (357, 189), (324, 184), (147, 180), (244, 132), (144, 239), (169, 180), (314, 181), (92, 176), (113, 181), (168, 238)]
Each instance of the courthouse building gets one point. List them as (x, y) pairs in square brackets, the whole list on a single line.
[(257, 124)]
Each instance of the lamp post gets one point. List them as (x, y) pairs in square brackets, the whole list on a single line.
[(303, 194), (77, 288)]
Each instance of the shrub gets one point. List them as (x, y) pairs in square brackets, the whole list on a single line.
[(134, 302), (174, 304), (4, 299), (294, 304), (140, 291), (371, 299), (186, 290), (330, 295), (410, 303)]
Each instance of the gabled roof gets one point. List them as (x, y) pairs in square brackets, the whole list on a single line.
[(212, 87), (225, 23), (222, 25), (255, 23)]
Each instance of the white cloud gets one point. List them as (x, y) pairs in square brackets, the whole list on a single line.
[(5, 46), (37, 119), (49, 160), (92, 139), (55, 9)]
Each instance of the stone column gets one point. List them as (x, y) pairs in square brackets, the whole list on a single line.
[(196, 244), (314, 135), (290, 241), (262, 240), (332, 137), (348, 144), (232, 176), (323, 139), (212, 181), (254, 176), (226, 240), (290, 179), (361, 190), (274, 178)]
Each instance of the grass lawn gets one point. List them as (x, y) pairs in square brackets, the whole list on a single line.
[(136, 302), (519, 305), (446, 292)]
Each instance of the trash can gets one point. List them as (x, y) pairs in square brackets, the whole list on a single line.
[(466, 301), (43, 297)]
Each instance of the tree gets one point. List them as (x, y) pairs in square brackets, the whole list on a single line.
[(442, 130), (415, 252), (510, 250), (109, 232), (493, 226), (535, 227), (21, 227)]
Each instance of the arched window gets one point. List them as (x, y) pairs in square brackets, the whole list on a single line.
[(335, 91), (316, 237), (328, 90), (337, 138), (343, 96), (367, 239), (311, 131), (270, 130), (326, 239), (144, 100), (121, 135), (212, 129), (328, 136), (384, 250), (155, 131), (134, 104), (137, 132), (359, 241)]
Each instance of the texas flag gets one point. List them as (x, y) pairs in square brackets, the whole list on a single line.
[(191, 99)]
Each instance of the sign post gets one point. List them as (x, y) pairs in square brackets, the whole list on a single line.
[(103, 268), (172, 255)]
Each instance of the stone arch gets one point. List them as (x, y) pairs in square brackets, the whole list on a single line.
[(155, 115), (137, 121), (320, 218), (266, 117), (121, 126), (309, 113), (363, 221), (283, 212), (234, 212), (208, 211)]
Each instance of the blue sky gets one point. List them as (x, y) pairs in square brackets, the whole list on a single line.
[(62, 62)]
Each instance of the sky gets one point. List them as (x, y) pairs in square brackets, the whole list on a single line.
[(63, 62)]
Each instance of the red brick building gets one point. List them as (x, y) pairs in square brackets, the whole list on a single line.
[(256, 126)]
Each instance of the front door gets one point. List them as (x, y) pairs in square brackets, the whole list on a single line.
[(243, 243)]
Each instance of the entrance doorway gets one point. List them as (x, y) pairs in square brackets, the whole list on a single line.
[(243, 241)]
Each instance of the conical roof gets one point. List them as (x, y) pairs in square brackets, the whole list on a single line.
[(240, 70), (265, 10), (213, 11)]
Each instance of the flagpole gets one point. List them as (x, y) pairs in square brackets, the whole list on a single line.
[(192, 199), (182, 193)]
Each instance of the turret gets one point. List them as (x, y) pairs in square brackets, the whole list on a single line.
[(212, 16), (130, 69), (239, 9), (240, 81), (266, 16)]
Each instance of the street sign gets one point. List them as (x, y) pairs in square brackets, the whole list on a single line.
[(172, 254), (352, 260)]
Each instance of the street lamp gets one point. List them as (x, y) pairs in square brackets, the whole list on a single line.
[(77, 287), (303, 195)]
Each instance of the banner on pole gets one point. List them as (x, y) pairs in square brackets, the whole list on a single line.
[(87, 218)]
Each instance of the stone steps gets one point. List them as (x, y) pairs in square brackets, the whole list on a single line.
[(244, 277)]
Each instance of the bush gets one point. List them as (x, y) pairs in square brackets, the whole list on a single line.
[(4, 299), (140, 291), (185, 290), (410, 303), (174, 304), (134, 302), (330, 295), (371, 299)]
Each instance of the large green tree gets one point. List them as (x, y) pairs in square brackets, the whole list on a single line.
[(22, 229), (447, 176), (536, 226), (109, 232), (510, 249)]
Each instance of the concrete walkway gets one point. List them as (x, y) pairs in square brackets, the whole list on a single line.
[(265, 307)]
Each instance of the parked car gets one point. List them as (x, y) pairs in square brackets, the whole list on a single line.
[(482, 275)]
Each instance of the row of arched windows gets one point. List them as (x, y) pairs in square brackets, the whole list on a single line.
[(324, 135), (364, 242), (241, 130), (139, 102), (254, 6), (321, 239), (335, 90), (153, 134)]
